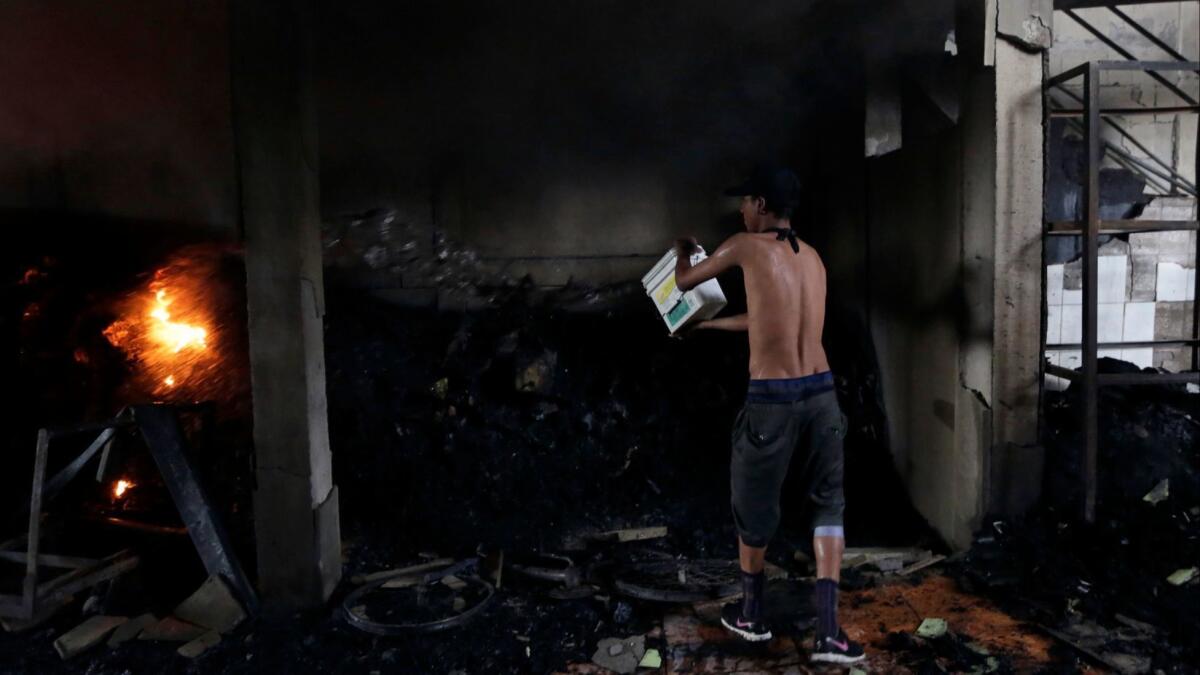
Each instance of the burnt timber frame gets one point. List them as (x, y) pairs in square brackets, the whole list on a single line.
[(159, 426), (84, 573), (1090, 229)]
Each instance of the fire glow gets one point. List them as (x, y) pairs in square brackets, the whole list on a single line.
[(177, 336), (121, 487), (164, 330)]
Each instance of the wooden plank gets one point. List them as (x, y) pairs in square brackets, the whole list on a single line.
[(29, 586), (77, 580), (631, 534), (411, 570), (49, 560), (917, 566)]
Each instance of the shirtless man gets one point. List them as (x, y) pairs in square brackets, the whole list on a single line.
[(791, 406)]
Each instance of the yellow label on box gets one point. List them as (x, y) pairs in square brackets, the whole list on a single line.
[(665, 290)]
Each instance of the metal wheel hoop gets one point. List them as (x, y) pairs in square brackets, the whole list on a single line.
[(380, 628)]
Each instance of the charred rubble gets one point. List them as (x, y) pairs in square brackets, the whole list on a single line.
[(1117, 593)]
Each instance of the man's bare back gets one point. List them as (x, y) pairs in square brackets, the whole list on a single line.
[(791, 405), (785, 302)]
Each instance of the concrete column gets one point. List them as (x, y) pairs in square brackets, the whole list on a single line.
[(295, 504), (1018, 297)]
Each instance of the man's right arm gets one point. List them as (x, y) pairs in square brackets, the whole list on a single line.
[(737, 322)]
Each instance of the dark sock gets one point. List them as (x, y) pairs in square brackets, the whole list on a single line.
[(826, 597), (752, 595)]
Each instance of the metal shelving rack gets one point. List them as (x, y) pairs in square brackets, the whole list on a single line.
[(1091, 227)]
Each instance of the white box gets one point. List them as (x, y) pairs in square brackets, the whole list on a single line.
[(677, 308)]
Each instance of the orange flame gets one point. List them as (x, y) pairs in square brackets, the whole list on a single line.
[(176, 336), (121, 487), (166, 333)]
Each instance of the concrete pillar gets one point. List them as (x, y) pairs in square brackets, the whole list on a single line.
[(1016, 460), (295, 504)]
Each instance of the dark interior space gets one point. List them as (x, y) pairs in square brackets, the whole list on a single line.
[(336, 337)]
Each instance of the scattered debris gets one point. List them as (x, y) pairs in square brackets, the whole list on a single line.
[(628, 535), (1159, 492), (212, 606), (131, 629), (553, 568), (493, 567), (917, 566), (620, 655), (86, 635), (932, 628), (1181, 577), (453, 583), (886, 560), (200, 645), (651, 659), (171, 629)]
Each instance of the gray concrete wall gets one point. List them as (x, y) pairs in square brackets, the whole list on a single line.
[(914, 254), (118, 108), (953, 241), (565, 141)]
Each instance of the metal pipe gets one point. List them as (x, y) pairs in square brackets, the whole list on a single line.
[(1138, 144), (1091, 93), (1147, 34), (1152, 72)]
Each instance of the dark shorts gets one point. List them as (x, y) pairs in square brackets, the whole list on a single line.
[(783, 418)]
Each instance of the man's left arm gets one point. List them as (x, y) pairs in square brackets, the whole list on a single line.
[(688, 276)]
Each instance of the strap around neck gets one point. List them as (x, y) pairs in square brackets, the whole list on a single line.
[(788, 233)]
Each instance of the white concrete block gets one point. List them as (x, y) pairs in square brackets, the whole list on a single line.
[(1172, 283), (1190, 291), (1112, 278), (1109, 354), (1169, 208), (1054, 285), (1111, 321), (1054, 324), (1072, 297), (1142, 358), (1072, 324), (1139, 322)]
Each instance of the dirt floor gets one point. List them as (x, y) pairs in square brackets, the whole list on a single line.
[(523, 632)]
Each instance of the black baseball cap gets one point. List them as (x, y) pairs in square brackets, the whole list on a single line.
[(777, 184)]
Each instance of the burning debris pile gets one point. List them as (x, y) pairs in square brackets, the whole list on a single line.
[(1120, 593), (183, 331)]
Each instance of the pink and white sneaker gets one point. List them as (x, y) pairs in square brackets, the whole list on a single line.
[(750, 631), (837, 650)]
